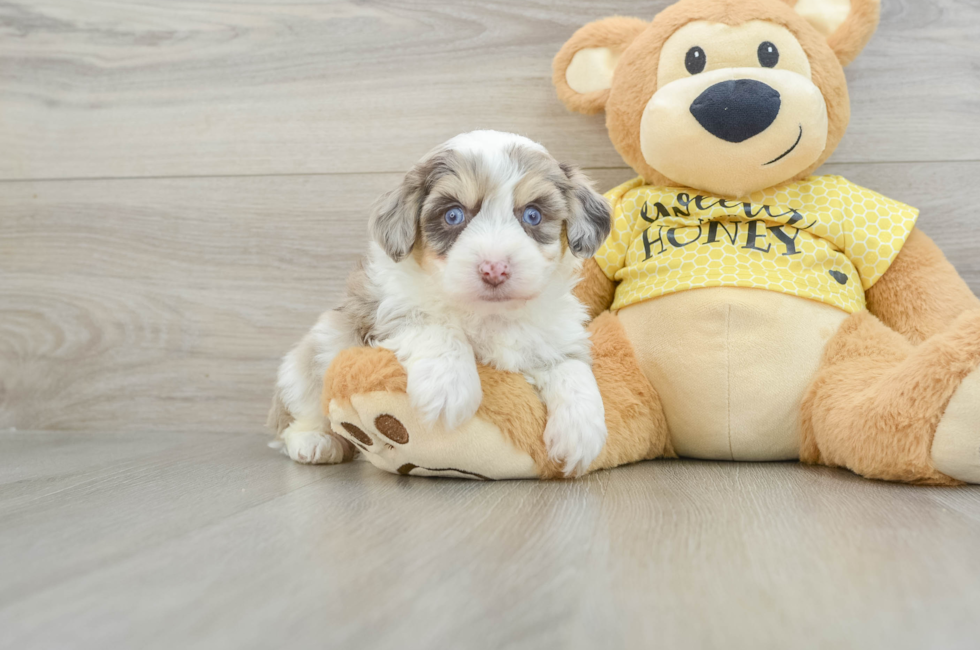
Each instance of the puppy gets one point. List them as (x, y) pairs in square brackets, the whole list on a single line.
[(473, 260)]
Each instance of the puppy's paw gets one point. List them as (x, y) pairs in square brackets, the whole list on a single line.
[(450, 390), (575, 434), (313, 447)]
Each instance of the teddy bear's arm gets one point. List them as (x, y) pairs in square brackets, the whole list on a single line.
[(595, 290), (921, 293)]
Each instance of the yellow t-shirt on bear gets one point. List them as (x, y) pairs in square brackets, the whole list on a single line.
[(822, 238)]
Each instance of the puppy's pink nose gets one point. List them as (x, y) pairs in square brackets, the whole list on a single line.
[(494, 273)]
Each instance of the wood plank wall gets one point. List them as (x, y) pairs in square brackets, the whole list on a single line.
[(184, 184)]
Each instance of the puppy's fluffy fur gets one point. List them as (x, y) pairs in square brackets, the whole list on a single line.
[(474, 259)]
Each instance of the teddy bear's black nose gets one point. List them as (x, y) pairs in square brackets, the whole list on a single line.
[(737, 110)]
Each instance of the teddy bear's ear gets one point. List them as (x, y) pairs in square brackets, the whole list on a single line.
[(583, 68), (847, 24)]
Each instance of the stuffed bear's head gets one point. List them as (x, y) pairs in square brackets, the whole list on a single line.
[(725, 96)]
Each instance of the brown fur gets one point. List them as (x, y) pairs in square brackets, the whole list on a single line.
[(561, 192), (591, 216), (856, 31), (886, 376), (637, 426), (394, 221), (873, 408), (616, 33), (921, 293), (635, 79), (852, 37), (363, 370), (513, 406), (635, 420), (279, 417), (877, 400), (595, 290), (349, 452), (360, 304)]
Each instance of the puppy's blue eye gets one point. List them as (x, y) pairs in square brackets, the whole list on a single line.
[(532, 216), (455, 216)]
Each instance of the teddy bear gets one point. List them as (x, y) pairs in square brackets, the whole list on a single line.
[(743, 308)]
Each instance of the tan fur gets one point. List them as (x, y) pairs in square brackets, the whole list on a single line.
[(616, 33), (731, 366), (635, 79), (537, 188), (595, 290), (634, 417), (509, 401), (636, 423), (873, 408), (468, 183), (425, 257), (921, 293), (886, 376), (349, 452), (852, 37), (513, 406), (363, 370), (877, 400), (279, 417)]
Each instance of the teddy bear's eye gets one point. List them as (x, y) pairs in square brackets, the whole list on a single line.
[(768, 55), (696, 60)]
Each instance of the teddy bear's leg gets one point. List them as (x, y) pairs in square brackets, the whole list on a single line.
[(635, 421), (634, 416), (878, 403), (365, 395)]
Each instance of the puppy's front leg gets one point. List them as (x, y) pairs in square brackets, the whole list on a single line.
[(442, 377), (576, 429)]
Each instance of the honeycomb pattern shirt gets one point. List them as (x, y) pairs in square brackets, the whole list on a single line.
[(823, 238)]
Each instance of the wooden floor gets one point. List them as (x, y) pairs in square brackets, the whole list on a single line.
[(183, 186), (130, 540)]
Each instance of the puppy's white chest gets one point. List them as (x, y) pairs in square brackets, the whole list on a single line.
[(503, 347)]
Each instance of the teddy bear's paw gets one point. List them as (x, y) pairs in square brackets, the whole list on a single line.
[(311, 446), (393, 436), (956, 446)]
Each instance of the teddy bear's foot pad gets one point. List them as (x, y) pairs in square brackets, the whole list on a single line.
[(384, 427), (956, 446)]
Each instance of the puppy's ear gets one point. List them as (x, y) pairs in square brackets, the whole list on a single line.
[(395, 218), (583, 68), (591, 219), (394, 222), (847, 24)]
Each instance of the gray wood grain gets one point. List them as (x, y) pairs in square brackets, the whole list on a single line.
[(211, 541), (229, 152), (160, 304), (110, 286), (216, 88)]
